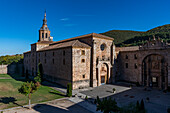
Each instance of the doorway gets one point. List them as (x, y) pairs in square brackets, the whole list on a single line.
[(103, 74)]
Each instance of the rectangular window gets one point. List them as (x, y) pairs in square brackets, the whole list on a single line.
[(126, 57), (45, 61), (136, 66), (53, 53), (84, 76), (42, 35), (45, 54), (135, 56), (126, 65), (82, 52), (82, 60), (63, 53)]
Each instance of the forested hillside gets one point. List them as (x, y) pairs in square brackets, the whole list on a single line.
[(132, 38), (8, 59)]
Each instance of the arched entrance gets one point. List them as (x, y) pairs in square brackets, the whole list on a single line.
[(103, 74), (154, 71)]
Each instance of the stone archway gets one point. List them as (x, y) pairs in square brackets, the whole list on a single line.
[(103, 72), (154, 71)]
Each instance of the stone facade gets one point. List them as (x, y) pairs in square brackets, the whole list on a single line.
[(148, 64), (92, 60), (77, 60)]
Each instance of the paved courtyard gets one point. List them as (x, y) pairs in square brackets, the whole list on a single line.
[(159, 101), (58, 106)]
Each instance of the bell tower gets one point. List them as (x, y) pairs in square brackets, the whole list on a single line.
[(44, 32)]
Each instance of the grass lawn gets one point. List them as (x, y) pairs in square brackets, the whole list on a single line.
[(10, 97), (5, 75)]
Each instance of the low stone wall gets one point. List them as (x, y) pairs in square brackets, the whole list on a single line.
[(3, 69), (14, 68)]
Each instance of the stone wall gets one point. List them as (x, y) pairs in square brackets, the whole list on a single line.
[(97, 54), (132, 74), (3, 69), (102, 57), (57, 64), (14, 68), (81, 70), (126, 66)]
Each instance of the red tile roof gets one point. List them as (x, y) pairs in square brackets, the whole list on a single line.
[(85, 36), (73, 43)]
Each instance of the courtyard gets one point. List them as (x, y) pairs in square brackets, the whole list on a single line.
[(159, 101)]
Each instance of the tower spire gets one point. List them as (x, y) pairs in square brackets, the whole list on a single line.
[(44, 32), (45, 20)]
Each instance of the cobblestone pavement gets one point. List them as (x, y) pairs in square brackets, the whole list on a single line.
[(159, 101)]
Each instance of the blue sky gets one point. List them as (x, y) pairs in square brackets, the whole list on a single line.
[(20, 20)]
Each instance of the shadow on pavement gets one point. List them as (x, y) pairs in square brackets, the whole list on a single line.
[(45, 108)]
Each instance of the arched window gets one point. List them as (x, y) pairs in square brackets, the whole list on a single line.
[(42, 35), (46, 35)]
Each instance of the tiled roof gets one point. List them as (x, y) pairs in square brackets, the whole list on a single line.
[(27, 52), (85, 36), (74, 43), (44, 42)]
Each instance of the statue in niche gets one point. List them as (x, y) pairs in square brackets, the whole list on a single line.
[(103, 69)]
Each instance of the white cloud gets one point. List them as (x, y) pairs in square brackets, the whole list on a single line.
[(64, 19)]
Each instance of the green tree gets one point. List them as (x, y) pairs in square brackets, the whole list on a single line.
[(39, 77), (69, 89), (27, 89), (107, 105), (142, 105)]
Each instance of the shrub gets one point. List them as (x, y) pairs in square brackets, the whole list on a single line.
[(165, 91), (137, 84), (142, 106), (69, 89), (39, 77), (168, 89), (168, 110), (137, 105), (147, 99), (107, 105), (130, 86), (114, 89), (86, 97)]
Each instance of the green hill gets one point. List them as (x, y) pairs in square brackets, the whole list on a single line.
[(8, 59), (133, 38)]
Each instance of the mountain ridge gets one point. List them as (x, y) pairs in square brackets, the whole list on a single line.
[(124, 38)]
